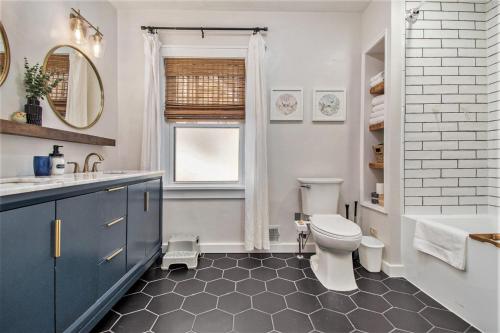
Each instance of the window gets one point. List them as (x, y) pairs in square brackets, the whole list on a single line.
[(205, 109)]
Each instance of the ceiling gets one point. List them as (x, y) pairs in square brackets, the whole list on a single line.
[(246, 5)]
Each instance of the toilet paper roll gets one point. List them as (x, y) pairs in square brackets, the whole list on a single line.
[(379, 188)]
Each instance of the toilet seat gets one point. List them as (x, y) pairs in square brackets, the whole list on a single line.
[(335, 226)]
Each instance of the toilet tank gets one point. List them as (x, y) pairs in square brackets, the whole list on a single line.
[(320, 195)]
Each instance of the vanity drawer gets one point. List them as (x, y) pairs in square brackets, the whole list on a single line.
[(111, 269), (114, 202), (112, 235)]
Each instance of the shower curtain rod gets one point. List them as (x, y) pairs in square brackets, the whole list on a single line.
[(203, 29)]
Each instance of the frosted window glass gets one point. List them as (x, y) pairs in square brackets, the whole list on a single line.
[(207, 154)]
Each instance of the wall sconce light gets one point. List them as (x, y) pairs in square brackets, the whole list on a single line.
[(79, 25)]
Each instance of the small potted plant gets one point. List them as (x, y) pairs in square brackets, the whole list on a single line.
[(38, 85)]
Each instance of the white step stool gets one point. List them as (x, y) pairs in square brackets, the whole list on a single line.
[(182, 249)]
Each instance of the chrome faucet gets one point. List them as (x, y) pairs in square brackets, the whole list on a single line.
[(94, 167)]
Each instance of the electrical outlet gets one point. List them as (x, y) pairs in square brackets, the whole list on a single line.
[(373, 232)]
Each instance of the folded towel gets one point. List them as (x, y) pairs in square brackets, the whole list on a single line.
[(377, 108), (378, 100), (376, 82), (378, 120), (378, 114), (441, 241), (377, 76)]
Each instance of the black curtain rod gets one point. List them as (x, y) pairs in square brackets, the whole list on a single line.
[(203, 29)]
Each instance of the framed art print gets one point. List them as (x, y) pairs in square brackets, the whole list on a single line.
[(329, 105), (286, 105)]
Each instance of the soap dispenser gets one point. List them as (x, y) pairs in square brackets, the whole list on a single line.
[(57, 164)]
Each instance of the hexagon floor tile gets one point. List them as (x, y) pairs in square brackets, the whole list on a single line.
[(263, 292)]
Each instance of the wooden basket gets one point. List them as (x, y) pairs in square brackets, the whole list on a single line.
[(378, 150)]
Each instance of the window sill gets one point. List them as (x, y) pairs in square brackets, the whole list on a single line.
[(203, 192)]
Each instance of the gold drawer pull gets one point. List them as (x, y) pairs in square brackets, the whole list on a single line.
[(113, 189), (57, 238), (114, 254), (114, 222)]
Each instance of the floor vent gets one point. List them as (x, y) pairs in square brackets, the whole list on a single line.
[(274, 233)]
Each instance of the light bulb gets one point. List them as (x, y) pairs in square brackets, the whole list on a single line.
[(78, 29), (97, 44)]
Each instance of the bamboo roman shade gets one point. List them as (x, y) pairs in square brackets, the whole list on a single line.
[(204, 89)]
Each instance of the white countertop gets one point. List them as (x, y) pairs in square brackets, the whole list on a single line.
[(18, 185)]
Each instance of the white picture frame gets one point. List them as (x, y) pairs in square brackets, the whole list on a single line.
[(329, 104), (287, 104)]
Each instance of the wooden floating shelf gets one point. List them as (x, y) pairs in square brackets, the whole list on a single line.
[(378, 89), (377, 127), (376, 165), (34, 131)]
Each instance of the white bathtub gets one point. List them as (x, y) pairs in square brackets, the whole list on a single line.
[(472, 294)]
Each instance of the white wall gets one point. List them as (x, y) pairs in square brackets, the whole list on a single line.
[(33, 28), (306, 50)]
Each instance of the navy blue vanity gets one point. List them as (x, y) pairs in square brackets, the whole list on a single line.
[(68, 254)]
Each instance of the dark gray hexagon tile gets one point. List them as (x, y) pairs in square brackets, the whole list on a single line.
[(204, 263), (132, 303), (214, 321), (220, 287), (140, 321), (174, 322), (263, 273), (153, 274), (401, 285), (165, 303), (280, 286), (290, 321), (106, 322), (310, 286), (262, 255), (404, 301), (427, 300), (302, 302), (199, 303), (369, 321), (214, 255), (407, 320), (370, 301), (437, 330), (224, 263), (236, 274), (137, 287), (444, 319), (298, 263), (289, 273), (268, 302), (328, 321), (252, 321), (472, 329), (371, 275), (309, 273), (181, 274), (237, 255), (372, 286), (189, 287), (249, 263), (250, 287), (208, 274), (234, 302), (159, 287), (336, 302), (274, 263)]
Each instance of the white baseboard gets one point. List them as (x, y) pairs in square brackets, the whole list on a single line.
[(392, 270), (240, 248)]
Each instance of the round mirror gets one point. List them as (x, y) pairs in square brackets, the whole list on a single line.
[(4, 55), (78, 98)]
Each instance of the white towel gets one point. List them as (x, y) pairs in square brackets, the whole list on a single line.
[(374, 83), (378, 100), (377, 76), (441, 241), (378, 120), (377, 108), (378, 114)]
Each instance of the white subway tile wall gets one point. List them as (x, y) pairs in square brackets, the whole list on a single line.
[(452, 110)]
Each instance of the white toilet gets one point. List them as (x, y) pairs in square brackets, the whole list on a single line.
[(335, 236)]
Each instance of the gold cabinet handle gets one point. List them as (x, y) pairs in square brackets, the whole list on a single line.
[(114, 254), (114, 222), (57, 238), (113, 189), (146, 201)]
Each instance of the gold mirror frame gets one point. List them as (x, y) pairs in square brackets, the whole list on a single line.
[(51, 103), (5, 72)]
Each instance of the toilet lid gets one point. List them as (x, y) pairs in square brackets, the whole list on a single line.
[(335, 225)]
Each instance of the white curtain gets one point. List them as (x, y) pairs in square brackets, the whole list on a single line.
[(152, 117), (256, 186), (76, 107)]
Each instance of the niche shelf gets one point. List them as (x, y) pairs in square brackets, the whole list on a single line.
[(376, 165), (376, 127), (13, 128)]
